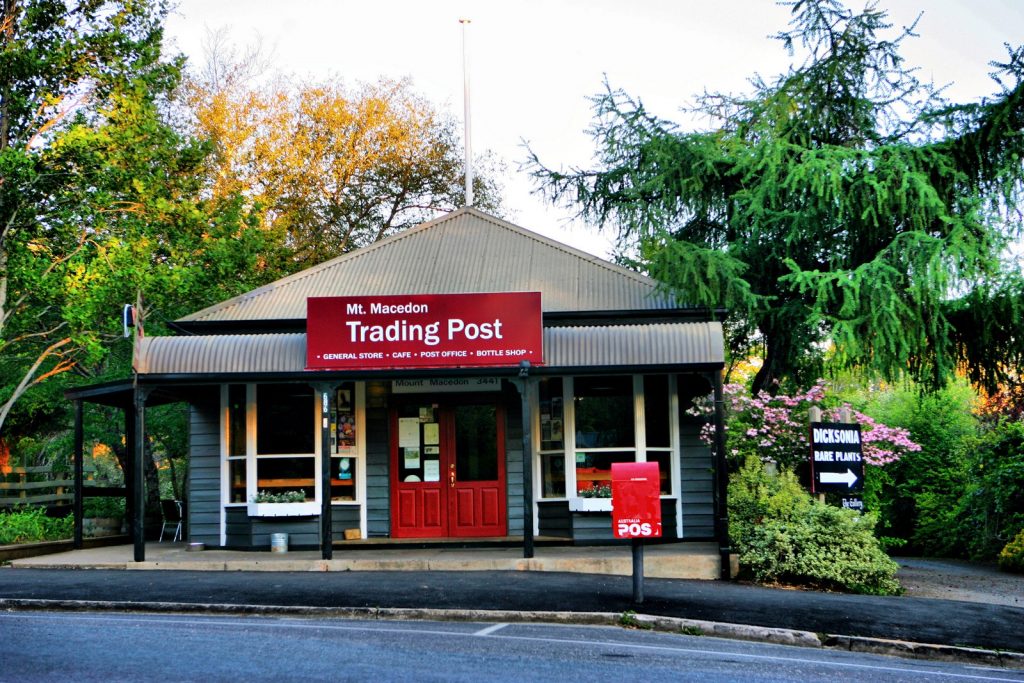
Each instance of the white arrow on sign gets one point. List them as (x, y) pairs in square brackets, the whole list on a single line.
[(848, 478)]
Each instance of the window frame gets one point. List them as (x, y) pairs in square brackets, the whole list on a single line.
[(359, 452), (252, 457), (639, 449)]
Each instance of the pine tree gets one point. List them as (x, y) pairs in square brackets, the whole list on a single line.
[(844, 202)]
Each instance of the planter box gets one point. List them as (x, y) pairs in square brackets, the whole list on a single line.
[(283, 509), (102, 526), (590, 504)]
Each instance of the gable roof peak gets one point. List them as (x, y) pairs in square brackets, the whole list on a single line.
[(464, 251)]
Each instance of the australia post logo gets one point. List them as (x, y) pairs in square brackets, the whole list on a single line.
[(423, 330)]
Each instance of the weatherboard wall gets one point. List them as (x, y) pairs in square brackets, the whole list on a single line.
[(204, 471)]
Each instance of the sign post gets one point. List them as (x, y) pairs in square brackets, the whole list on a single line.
[(837, 463), (636, 511)]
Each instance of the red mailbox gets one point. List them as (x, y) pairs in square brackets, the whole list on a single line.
[(636, 500)]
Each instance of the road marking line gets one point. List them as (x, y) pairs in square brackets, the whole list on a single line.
[(490, 629)]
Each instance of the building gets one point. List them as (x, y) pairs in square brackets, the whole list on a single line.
[(408, 431)]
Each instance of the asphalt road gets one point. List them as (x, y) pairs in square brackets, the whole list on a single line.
[(945, 622), (55, 646)]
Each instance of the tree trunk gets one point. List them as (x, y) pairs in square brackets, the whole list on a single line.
[(767, 376)]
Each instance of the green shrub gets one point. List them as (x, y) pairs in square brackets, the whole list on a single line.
[(918, 496), (103, 507), (783, 535), (992, 509), (1011, 558), (30, 525)]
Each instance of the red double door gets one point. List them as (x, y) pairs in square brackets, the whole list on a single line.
[(448, 471)]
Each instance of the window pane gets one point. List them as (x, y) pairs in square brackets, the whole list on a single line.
[(552, 466), (664, 460), (236, 470), (285, 421), (236, 419), (594, 470), (419, 462), (278, 475), (476, 443), (604, 412), (551, 417), (656, 410), (343, 479)]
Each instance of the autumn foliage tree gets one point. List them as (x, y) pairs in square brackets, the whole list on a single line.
[(843, 203), (329, 168)]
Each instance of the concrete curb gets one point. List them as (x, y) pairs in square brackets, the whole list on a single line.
[(908, 649), (659, 569), (692, 627)]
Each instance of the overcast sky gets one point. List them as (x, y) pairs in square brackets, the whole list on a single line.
[(533, 63)]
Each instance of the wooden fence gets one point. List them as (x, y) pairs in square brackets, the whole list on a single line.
[(40, 486)]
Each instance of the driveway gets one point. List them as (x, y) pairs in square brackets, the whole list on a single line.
[(960, 580)]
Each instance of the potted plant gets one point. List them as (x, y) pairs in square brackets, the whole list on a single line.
[(594, 498)]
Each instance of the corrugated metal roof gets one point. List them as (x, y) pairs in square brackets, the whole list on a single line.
[(228, 353), (689, 343), (625, 345), (464, 252)]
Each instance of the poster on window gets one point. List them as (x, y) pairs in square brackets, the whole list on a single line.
[(343, 426), (408, 432), (431, 433), (431, 470), (412, 458)]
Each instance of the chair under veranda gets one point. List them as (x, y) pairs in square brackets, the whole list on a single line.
[(171, 510)]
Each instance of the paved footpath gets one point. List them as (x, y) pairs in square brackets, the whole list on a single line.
[(919, 620)]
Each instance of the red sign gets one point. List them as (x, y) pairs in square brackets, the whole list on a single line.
[(423, 330), (636, 500)]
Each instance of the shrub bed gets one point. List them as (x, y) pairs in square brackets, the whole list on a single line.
[(31, 525), (1011, 558), (783, 535)]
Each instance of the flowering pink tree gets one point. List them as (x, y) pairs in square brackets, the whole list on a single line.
[(776, 428)]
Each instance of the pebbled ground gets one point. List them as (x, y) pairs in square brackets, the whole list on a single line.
[(960, 580)]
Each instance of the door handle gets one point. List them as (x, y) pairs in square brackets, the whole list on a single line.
[(451, 478)]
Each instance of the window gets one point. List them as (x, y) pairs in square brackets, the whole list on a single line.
[(285, 420), (552, 438), (235, 439), (658, 429), (286, 439), (604, 412), (604, 420), (609, 419), (344, 445), (271, 441)]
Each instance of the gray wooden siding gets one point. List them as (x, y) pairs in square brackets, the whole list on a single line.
[(238, 528), (514, 464), (253, 533), (343, 517), (378, 498), (597, 526), (697, 478), (554, 519), (303, 533), (204, 470)]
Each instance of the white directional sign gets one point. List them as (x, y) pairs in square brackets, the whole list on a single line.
[(837, 464), (847, 477)]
